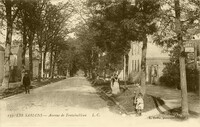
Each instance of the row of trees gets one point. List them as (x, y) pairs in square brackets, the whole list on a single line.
[(114, 24), (39, 23), (104, 36), (111, 25)]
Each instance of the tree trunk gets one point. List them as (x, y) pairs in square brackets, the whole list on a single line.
[(31, 38), (53, 66), (51, 61), (44, 57), (44, 63), (40, 64), (143, 65), (125, 70), (23, 55), (5, 83), (184, 98), (24, 45)]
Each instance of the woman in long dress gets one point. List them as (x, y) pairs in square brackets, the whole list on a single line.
[(115, 86)]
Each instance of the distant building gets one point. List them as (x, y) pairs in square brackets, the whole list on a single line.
[(16, 63), (155, 62)]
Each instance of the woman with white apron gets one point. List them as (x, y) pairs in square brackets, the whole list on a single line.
[(115, 86)]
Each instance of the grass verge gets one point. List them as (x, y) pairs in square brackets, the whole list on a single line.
[(152, 103)]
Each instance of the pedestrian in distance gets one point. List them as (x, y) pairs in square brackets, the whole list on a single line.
[(139, 104), (115, 85), (26, 82), (112, 79)]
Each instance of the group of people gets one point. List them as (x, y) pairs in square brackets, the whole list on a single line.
[(138, 101)]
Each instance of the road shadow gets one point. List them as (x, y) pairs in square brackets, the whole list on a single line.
[(126, 98), (171, 111)]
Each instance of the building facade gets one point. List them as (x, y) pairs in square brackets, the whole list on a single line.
[(16, 63), (155, 62)]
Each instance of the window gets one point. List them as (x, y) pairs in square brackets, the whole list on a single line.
[(132, 64), (135, 65), (138, 65)]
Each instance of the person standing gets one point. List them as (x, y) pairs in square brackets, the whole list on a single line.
[(115, 87), (153, 74), (112, 79), (26, 83)]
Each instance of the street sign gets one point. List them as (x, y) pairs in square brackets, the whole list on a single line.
[(191, 56), (189, 46), (189, 49)]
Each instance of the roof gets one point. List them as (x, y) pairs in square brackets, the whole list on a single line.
[(2, 48)]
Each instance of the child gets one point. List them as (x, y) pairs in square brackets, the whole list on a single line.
[(139, 104)]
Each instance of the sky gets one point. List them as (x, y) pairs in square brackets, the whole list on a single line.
[(155, 51)]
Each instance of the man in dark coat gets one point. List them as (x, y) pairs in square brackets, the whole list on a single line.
[(26, 83)]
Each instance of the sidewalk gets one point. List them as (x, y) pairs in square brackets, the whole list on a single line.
[(158, 100), (172, 97)]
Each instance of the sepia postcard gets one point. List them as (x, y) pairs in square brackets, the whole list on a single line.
[(99, 63)]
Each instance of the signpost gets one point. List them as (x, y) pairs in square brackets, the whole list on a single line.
[(189, 49), (192, 48)]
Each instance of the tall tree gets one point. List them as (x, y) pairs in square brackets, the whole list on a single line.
[(21, 25), (184, 101), (142, 22), (52, 24), (27, 24), (178, 23), (31, 26), (11, 11), (121, 22)]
